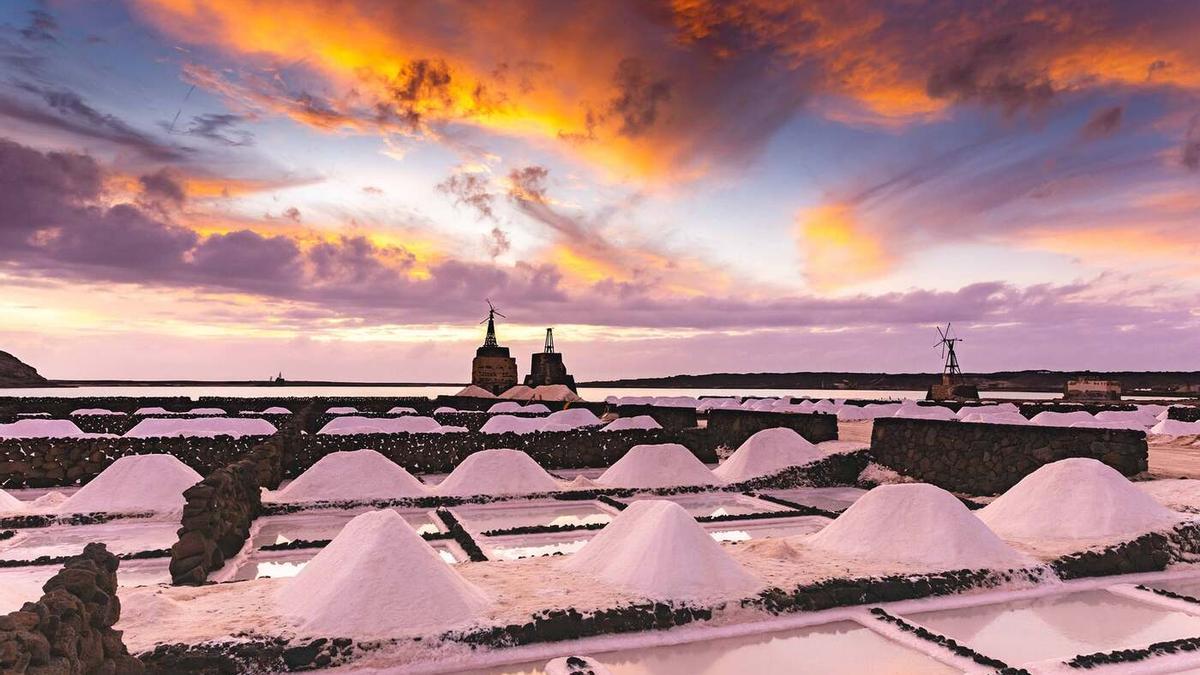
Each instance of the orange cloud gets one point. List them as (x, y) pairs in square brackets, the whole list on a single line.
[(837, 250)]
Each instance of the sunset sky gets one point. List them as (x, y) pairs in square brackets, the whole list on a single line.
[(229, 189)]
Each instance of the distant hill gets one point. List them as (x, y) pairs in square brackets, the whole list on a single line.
[(1022, 380), (14, 373)]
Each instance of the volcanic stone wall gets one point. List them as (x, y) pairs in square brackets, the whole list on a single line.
[(986, 459), (730, 428), (219, 510), (56, 462), (1189, 413), (669, 417), (70, 629), (1028, 410)]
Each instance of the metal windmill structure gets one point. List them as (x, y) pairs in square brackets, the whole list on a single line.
[(950, 371), (490, 340), (549, 348)]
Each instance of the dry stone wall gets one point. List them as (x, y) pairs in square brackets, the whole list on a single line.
[(69, 630), (731, 428), (987, 459)]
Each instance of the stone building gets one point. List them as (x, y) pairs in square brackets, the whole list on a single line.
[(1084, 389), (546, 367), (492, 368)]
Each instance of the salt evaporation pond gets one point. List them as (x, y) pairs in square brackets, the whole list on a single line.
[(324, 525), (284, 564), (842, 648), (720, 504), (120, 537), (830, 498), (1059, 627), (506, 516), (748, 530), (1189, 586)]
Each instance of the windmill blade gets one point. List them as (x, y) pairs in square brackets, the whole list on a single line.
[(940, 333), (501, 315)]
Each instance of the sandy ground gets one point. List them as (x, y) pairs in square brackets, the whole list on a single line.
[(1175, 457)]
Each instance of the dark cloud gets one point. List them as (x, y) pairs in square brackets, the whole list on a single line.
[(1103, 123), (66, 111), (990, 71), (639, 97), (528, 183), (292, 213), (1191, 145), (43, 27), (418, 85), (372, 190), (220, 128), (249, 256), (497, 242), (471, 189), (161, 185)]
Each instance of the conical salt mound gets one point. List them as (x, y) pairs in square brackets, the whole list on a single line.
[(378, 578), (475, 391), (133, 484), (655, 466), (1076, 498), (915, 524), (767, 452), (656, 549), (358, 474), (497, 472), (10, 504)]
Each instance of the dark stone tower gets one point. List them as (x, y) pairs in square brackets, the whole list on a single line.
[(493, 369), (547, 367)]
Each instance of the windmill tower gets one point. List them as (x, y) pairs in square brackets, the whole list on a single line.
[(951, 373), (952, 387), (493, 368)]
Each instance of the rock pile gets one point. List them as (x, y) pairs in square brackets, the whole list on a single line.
[(70, 629)]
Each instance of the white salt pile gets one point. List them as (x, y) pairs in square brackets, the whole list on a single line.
[(206, 411), (503, 424), (554, 392), (1175, 428), (358, 474), (135, 483), (915, 524), (657, 465), (1131, 418), (767, 452), (412, 424), (379, 578), (497, 472), (94, 411), (10, 504), (154, 410), (925, 412), (506, 407), (200, 427), (475, 391), (39, 428), (572, 418), (656, 549), (1074, 499), (341, 410), (1049, 418), (276, 410), (635, 422), (995, 418), (402, 410), (518, 393)]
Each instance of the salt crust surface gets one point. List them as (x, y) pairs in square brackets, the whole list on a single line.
[(357, 474), (654, 548), (915, 523), (657, 465), (39, 428), (200, 427), (135, 483), (1074, 499), (498, 471), (766, 452), (1176, 428)]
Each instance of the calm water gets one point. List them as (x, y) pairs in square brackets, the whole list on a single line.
[(591, 394)]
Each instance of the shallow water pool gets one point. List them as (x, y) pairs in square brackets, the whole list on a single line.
[(1059, 627), (122, 536), (482, 518), (276, 564), (1189, 587), (317, 525), (843, 648), (764, 529), (830, 499), (722, 504)]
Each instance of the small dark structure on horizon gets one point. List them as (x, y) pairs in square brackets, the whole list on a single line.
[(952, 387), (492, 368), (546, 367)]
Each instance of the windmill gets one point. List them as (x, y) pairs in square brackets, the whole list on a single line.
[(950, 372), (490, 340), (549, 348)]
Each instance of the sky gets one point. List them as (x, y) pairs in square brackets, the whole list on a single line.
[(330, 189)]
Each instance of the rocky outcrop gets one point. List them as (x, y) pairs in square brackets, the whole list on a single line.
[(70, 629), (14, 373)]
